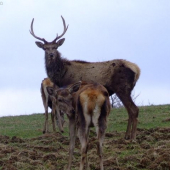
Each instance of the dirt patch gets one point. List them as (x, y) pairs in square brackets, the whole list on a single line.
[(150, 151), (166, 120)]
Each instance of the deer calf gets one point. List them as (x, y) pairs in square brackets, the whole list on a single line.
[(86, 105), (47, 102)]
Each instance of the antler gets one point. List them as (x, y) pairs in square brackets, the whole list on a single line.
[(65, 29), (42, 39), (32, 33)]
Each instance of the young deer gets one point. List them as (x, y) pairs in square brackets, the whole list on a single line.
[(86, 105), (47, 102)]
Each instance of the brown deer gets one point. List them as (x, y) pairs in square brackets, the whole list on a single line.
[(117, 76), (47, 102), (92, 107)]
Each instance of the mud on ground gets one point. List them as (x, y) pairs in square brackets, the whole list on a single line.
[(150, 151)]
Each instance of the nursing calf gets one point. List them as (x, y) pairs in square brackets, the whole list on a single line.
[(86, 105)]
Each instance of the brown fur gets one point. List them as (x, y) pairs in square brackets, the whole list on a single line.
[(47, 102), (117, 76), (92, 107)]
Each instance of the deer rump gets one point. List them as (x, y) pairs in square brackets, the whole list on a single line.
[(91, 103)]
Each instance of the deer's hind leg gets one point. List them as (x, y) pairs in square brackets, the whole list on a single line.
[(83, 133), (45, 129), (133, 112), (99, 121)]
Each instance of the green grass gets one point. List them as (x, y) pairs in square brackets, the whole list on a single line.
[(22, 126), (31, 125), (149, 117), (38, 153), (154, 116)]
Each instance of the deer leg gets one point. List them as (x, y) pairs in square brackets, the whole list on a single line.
[(83, 133), (100, 148), (100, 126), (128, 130), (53, 118), (134, 128), (62, 118), (45, 130), (87, 166), (133, 115), (72, 134), (84, 146), (133, 109), (59, 120)]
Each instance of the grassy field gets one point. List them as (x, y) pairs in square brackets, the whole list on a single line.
[(29, 126), (22, 145)]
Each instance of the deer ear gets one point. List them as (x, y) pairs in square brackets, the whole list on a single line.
[(75, 87), (50, 90), (39, 44), (60, 42)]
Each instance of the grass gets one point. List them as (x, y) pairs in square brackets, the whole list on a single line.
[(154, 116), (149, 117), (24, 146), (28, 126)]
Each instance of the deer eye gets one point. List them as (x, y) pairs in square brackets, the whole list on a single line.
[(46, 48), (60, 100)]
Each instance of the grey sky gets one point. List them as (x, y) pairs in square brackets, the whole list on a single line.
[(135, 30)]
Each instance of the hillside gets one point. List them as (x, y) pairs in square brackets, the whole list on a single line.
[(22, 145)]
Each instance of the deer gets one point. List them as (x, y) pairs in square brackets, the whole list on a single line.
[(47, 102), (86, 105), (118, 76)]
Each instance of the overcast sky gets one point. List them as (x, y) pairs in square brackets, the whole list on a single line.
[(135, 30)]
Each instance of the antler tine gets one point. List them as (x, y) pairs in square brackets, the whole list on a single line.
[(65, 29), (32, 33)]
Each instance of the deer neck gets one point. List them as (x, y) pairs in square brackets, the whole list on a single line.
[(55, 69)]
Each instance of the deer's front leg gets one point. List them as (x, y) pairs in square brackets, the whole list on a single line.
[(59, 120), (72, 134)]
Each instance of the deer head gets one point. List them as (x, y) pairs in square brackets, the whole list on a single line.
[(50, 48), (62, 97)]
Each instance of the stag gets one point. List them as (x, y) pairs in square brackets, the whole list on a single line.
[(117, 76), (92, 107), (48, 102)]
